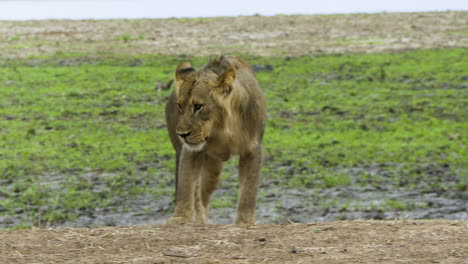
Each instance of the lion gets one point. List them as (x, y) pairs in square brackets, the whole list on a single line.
[(212, 115)]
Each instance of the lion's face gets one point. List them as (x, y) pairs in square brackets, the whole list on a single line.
[(199, 111)]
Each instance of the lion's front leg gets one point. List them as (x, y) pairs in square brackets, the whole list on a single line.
[(201, 213), (186, 198), (249, 173)]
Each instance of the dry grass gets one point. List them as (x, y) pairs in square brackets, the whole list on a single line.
[(332, 242), (256, 35)]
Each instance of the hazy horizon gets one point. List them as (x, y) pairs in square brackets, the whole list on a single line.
[(125, 9)]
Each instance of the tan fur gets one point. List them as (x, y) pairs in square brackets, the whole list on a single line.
[(212, 115)]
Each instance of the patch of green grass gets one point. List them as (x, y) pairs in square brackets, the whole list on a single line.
[(460, 32), (336, 180), (395, 204), (399, 205), (221, 203), (124, 37), (85, 131), (17, 37)]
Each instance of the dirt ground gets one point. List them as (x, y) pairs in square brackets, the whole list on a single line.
[(255, 35), (413, 242)]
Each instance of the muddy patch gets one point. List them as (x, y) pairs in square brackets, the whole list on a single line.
[(277, 203), (294, 205)]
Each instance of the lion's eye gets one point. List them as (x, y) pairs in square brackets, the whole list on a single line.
[(197, 107)]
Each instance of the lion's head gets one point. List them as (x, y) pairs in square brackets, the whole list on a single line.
[(201, 98)]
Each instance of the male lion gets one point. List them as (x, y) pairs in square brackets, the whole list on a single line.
[(213, 114)]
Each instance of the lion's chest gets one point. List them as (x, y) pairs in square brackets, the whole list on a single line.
[(220, 149), (219, 152)]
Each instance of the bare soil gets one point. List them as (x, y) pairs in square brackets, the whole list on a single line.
[(331, 242), (254, 35)]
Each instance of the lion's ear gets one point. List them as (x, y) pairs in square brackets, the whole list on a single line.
[(184, 72), (226, 81)]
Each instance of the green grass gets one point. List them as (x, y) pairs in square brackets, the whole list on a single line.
[(85, 131), (460, 32), (124, 37)]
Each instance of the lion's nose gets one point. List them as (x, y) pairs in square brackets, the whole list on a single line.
[(184, 135)]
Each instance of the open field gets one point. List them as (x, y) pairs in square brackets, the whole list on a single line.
[(367, 120), (348, 136), (252, 35)]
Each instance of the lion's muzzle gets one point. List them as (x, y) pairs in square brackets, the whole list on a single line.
[(184, 135)]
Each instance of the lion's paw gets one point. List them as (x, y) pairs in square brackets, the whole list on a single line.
[(244, 221), (177, 221)]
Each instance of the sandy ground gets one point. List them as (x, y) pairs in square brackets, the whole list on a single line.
[(254, 35), (331, 242)]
